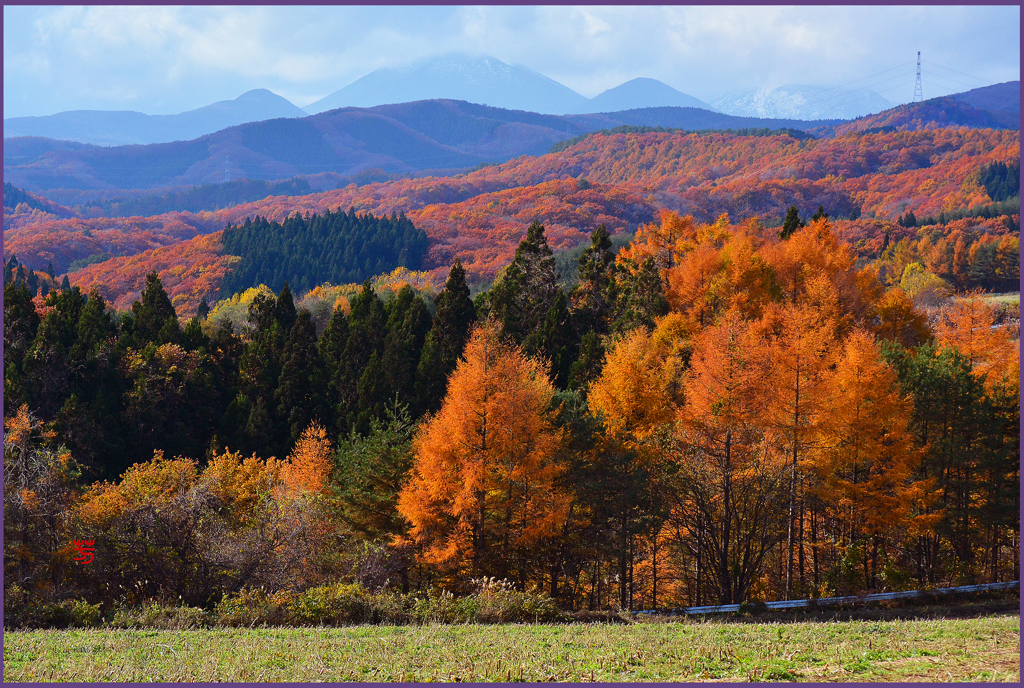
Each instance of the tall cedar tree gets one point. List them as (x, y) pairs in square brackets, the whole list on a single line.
[(367, 329), (20, 324), (300, 393), (525, 291), (154, 317), (408, 323), (446, 340)]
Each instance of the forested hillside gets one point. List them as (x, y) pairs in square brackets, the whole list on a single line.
[(721, 412)]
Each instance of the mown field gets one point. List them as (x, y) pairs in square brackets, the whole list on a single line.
[(977, 649)]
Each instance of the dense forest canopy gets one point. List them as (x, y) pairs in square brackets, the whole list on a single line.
[(719, 412)]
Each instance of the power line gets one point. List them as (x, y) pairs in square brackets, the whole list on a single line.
[(955, 71)]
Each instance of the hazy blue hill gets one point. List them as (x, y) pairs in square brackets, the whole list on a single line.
[(432, 136), (935, 112), (1004, 96), (342, 141), (115, 128), (641, 93), (456, 76), (688, 118), (1000, 101)]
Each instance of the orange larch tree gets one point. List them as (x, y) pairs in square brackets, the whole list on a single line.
[(484, 485), (729, 510), (867, 473), (309, 465)]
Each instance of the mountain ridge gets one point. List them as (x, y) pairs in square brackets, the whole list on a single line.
[(127, 127)]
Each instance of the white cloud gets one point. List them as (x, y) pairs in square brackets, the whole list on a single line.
[(170, 59)]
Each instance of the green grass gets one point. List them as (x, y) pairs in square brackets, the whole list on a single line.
[(1009, 297), (978, 649)]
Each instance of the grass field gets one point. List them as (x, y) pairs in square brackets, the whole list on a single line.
[(976, 649)]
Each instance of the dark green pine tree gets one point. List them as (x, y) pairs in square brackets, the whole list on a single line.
[(203, 310), (9, 267), (556, 340), (21, 321), (50, 271), (192, 337), (408, 324), (371, 471), (154, 318), (48, 371), (95, 326), (259, 370), (525, 291), (791, 223), (332, 348), (587, 366), (820, 213), (453, 317), (300, 393), (640, 297), (367, 328), (371, 395), (594, 296), (88, 421)]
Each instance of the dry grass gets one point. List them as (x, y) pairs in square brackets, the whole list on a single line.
[(978, 649)]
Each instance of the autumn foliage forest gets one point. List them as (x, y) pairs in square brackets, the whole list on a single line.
[(790, 383)]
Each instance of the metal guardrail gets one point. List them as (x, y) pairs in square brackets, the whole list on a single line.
[(849, 599)]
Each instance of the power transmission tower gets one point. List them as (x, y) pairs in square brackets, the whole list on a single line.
[(918, 91), (227, 158)]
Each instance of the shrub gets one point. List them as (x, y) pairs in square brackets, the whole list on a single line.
[(509, 606), (254, 607), (444, 608), (160, 617), (342, 604), (66, 614)]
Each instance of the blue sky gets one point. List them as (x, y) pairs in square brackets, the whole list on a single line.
[(163, 60)]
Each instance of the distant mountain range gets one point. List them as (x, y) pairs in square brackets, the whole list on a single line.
[(483, 80), (119, 128), (492, 82), (275, 141), (407, 138), (802, 102)]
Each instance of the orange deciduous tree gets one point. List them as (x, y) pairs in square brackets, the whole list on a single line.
[(993, 350), (731, 489), (484, 485), (866, 474), (309, 465)]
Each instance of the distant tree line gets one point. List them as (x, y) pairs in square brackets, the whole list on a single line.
[(199, 198), (642, 129)]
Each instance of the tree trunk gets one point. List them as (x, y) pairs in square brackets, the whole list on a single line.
[(724, 577), (623, 565)]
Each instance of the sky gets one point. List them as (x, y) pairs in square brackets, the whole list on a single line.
[(164, 60)]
